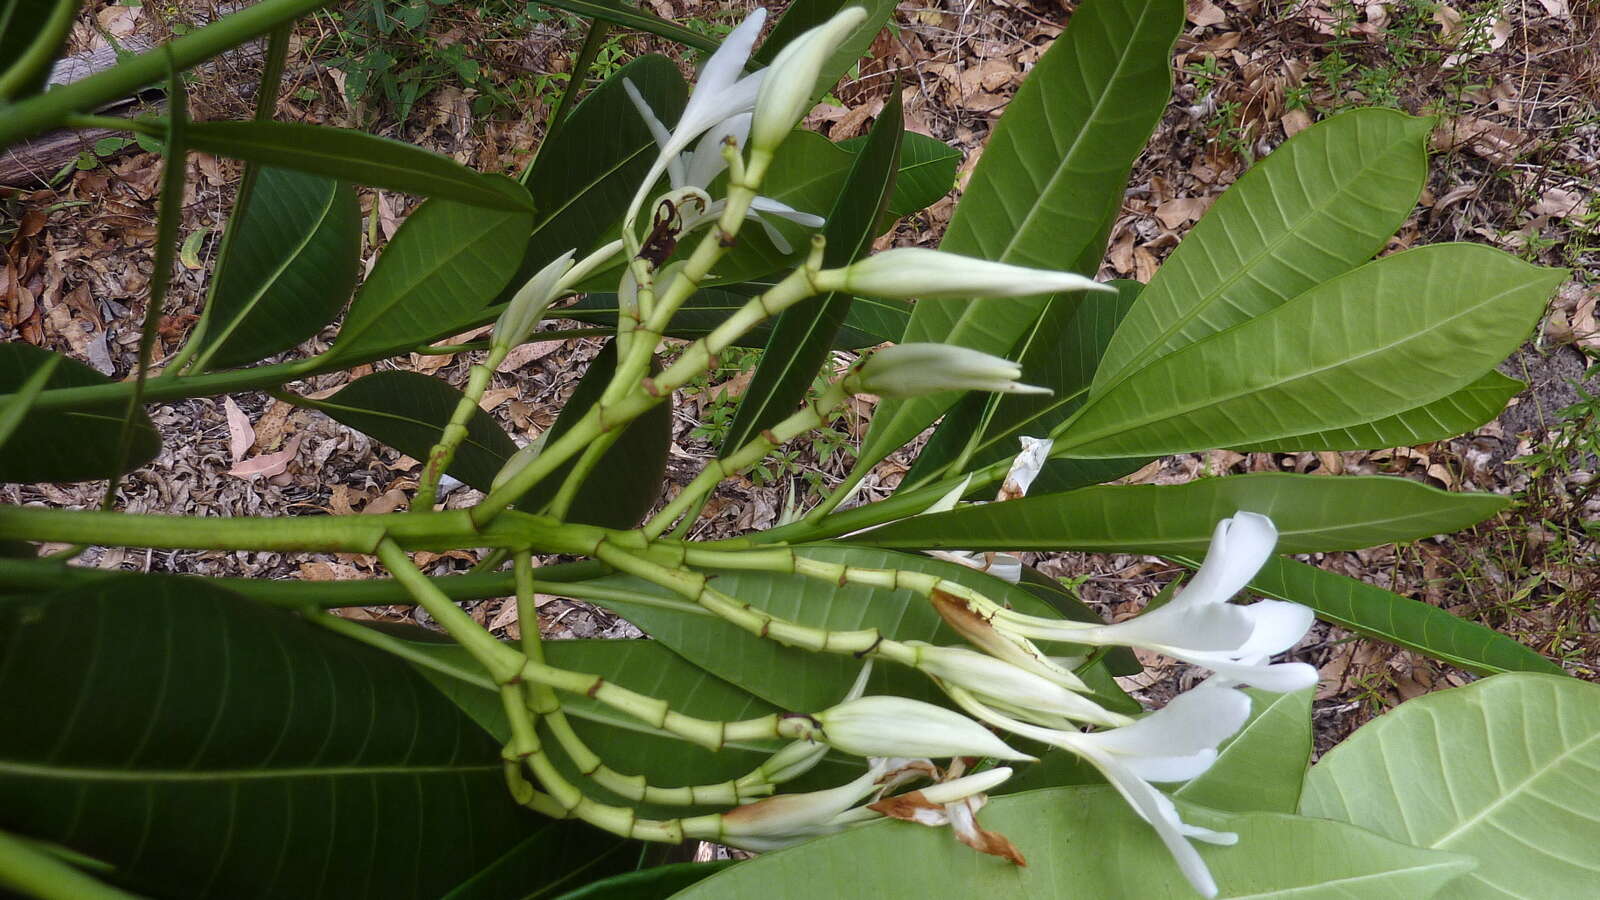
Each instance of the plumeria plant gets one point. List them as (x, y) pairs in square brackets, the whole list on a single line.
[(821, 691)]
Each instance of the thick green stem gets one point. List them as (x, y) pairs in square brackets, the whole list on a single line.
[(455, 431), (35, 61), (501, 662), (49, 110), (814, 415)]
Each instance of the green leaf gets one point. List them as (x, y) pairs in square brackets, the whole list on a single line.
[(799, 680), (67, 445), (927, 173), (583, 178), (627, 480), (656, 883), (288, 270), (1083, 842), (1371, 343), (205, 745), (618, 12), (1377, 613), (359, 158), (1313, 513), (1061, 353), (445, 264), (802, 15), (1503, 770), (1321, 204), (803, 335), (32, 33), (628, 745), (868, 323), (1050, 181), (408, 411), (1446, 417), (1261, 768)]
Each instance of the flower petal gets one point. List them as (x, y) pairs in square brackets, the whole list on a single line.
[(785, 211), (1193, 721), (1279, 625), (1158, 809), (1240, 546)]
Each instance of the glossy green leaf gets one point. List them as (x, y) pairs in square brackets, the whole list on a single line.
[(619, 12), (1374, 342), (204, 745), (627, 480), (1062, 475), (1321, 204), (927, 173), (23, 25), (802, 15), (656, 883), (1061, 353), (1085, 842), (359, 158), (408, 411), (1502, 770), (1446, 417), (1386, 616), (799, 680), (867, 323), (584, 177), (1261, 768), (803, 335), (67, 445), (289, 268), (1313, 513), (628, 745), (1050, 181), (445, 264)]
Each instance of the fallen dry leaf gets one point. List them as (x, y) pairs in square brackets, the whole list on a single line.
[(267, 464), (241, 436)]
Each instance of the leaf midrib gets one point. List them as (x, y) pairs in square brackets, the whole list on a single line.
[(1506, 797)]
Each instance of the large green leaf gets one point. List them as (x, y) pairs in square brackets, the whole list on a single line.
[(33, 31), (805, 14), (628, 745), (1503, 770), (360, 158), (656, 883), (1050, 180), (799, 680), (444, 265), (67, 445), (204, 745), (1085, 842), (803, 335), (1313, 513), (1061, 353), (927, 172), (1324, 202), (1261, 768), (627, 480), (1374, 342), (408, 411), (1446, 417), (869, 321), (584, 177), (1381, 614), (288, 270)]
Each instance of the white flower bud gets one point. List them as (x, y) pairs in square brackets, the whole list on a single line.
[(898, 726), (908, 273), (528, 306), (786, 91), (913, 370), (1003, 682)]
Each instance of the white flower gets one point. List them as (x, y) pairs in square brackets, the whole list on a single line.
[(913, 370), (999, 682), (785, 95), (907, 273), (1175, 743), (529, 303), (1200, 626), (720, 93), (899, 726)]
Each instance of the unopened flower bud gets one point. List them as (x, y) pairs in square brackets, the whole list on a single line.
[(914, 370), (907, 273), (790, 81), (898, 726), (528, 306), (1005, 683)]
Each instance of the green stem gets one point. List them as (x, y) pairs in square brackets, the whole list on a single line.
[(41, 52), (592, 454), (455, 431), (814, 415), (501, 662), (40, 113), (35, 873)]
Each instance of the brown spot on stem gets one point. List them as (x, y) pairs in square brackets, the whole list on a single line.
[(870, 648), (595, 688)]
